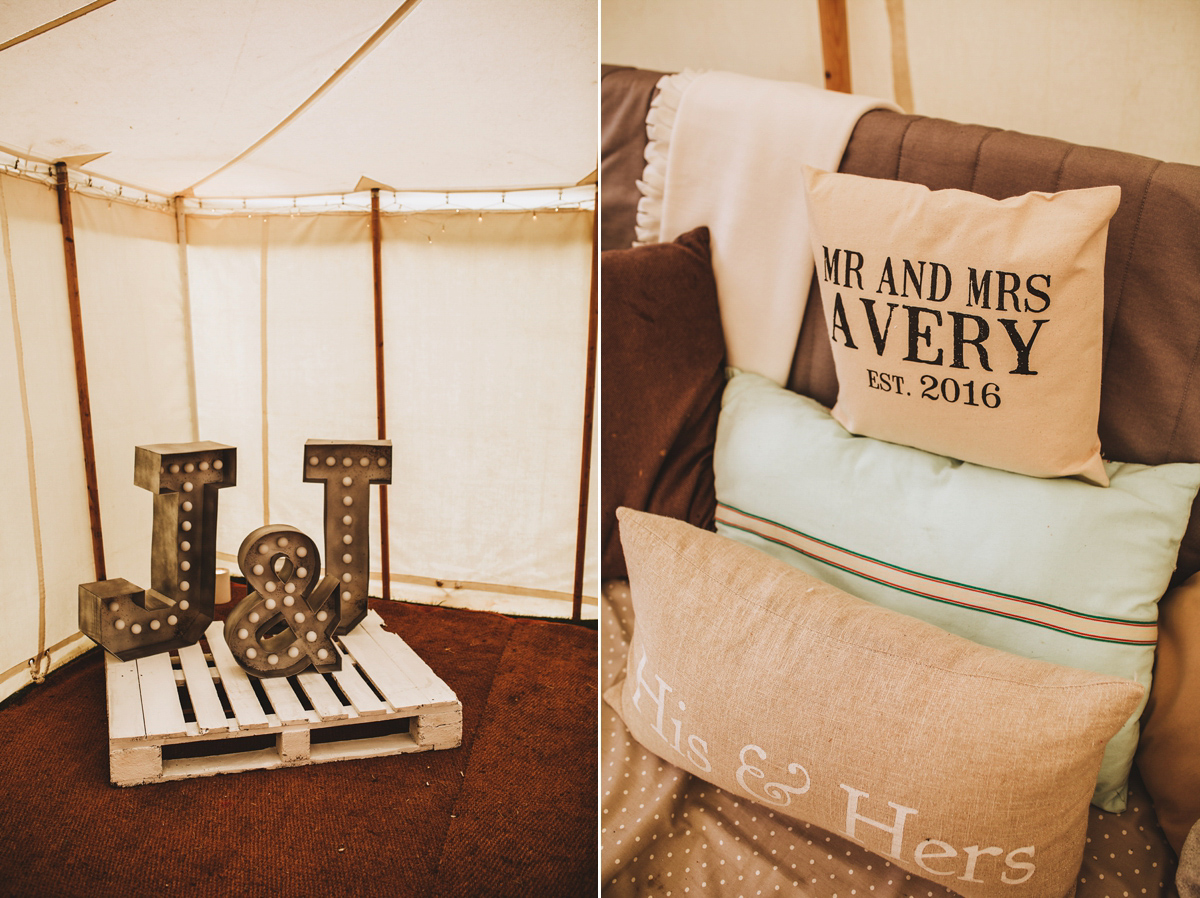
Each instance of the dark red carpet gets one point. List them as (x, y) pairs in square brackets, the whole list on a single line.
[(511, 812)]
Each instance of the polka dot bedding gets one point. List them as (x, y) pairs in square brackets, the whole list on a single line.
[(665, 832)]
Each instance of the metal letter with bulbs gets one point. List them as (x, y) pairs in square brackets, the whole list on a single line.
[(289, 618)]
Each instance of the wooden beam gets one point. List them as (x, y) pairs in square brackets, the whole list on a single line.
[(190, 344), (901, 74), (589, 408), (50, 26), (81, 378), (835, 44), (385, 553)]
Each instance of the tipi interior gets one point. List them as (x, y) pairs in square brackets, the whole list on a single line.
[(219, 165)]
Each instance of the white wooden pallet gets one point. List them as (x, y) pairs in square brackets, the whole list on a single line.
[(197, 713)]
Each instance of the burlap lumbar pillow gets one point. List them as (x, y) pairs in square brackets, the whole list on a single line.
[(959, 763), (963, 325)]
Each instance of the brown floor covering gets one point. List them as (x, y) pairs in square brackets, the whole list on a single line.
[(511, 812)]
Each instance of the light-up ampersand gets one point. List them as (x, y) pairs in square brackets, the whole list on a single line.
[(348, 470), (132, 622), (287, 622)]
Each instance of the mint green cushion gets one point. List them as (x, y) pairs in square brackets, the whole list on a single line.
[(1058, 570)]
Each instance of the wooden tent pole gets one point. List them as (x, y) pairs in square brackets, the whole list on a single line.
[(835, 44), (81, 378), (901, 74), (589, 407), (380, 410)]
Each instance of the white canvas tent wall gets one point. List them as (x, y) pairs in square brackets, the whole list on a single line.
[(1121, 74), (219, 157)]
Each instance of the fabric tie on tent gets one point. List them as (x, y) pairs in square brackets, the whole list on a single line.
[(714, 159)]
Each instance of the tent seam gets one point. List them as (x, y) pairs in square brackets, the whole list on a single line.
[(1133, 238), (975, 161), (900, 148), (54, 23), (262, 296), (188, 330), (345, 68), (30, 455)]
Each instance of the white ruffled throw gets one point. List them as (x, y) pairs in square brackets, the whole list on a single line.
[(728, 151)]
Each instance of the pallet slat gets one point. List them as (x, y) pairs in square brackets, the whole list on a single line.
[(210, 716), (283, 698), (242, 697), (404, 657), (327, 705), (149, 740), (389, 679), (160, 696), (124, 699), (364, 700)]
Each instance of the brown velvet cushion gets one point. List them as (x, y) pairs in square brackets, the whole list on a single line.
[(625, 96), (1169, 751), (662, 362)]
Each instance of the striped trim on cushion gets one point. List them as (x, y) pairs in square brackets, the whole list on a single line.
[(1040, 614)]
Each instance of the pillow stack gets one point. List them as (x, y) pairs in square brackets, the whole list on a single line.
[(1054, 569), (946, 657)]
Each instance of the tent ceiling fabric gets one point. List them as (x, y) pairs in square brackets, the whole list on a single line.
[(457, 95)]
